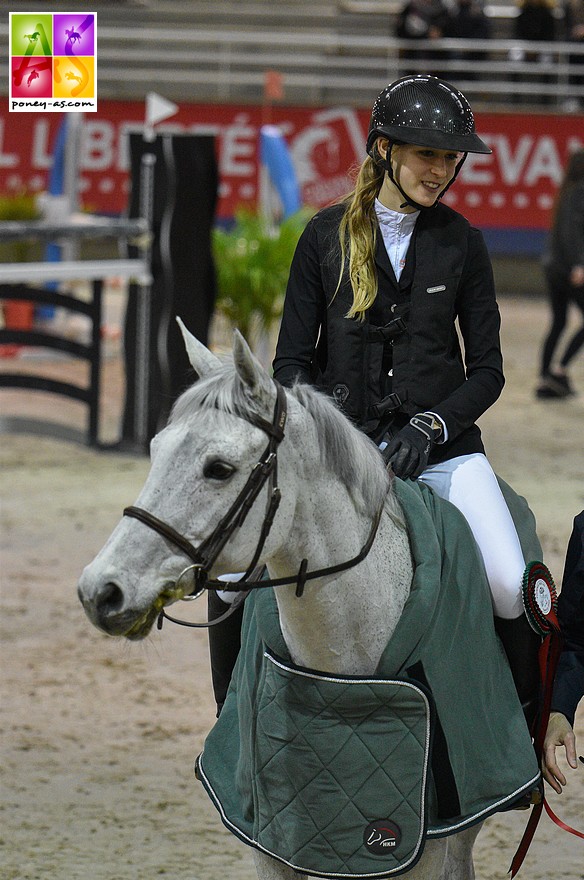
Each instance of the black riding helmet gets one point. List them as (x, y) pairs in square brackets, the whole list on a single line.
[(425, 111)]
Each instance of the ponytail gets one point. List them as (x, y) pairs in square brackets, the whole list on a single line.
[(357, 237)]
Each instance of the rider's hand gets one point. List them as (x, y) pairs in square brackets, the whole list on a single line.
[(409, 451), (559, 733)]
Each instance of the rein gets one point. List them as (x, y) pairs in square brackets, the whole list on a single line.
[(204, 556)]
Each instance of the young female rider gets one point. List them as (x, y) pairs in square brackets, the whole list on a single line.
[(375, 288)]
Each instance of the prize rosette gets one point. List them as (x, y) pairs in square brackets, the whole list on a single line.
[(540, 599)]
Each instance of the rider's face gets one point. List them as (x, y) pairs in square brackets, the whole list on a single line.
[(422, 172)]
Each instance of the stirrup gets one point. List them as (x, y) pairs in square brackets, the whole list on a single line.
[(528, 799)]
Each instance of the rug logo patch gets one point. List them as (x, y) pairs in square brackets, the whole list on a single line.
[(382, 836)]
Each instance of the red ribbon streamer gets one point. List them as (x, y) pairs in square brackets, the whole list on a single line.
[(559, 822), (549, 654)]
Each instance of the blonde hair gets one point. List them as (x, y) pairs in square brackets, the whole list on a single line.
[(357, 237)]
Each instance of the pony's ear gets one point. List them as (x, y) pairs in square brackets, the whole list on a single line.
[(249, 370), (201, 359)]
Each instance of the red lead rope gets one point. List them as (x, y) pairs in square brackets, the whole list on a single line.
[(559, 822), (540, 601)]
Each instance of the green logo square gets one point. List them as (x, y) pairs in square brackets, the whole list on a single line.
[(31, 33)]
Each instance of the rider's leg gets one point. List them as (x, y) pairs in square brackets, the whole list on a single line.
[(522, 645), (470, 484)]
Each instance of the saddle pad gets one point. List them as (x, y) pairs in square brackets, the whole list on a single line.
[(339, 772)]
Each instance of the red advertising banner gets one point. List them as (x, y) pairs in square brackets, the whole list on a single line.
[(512, 188)]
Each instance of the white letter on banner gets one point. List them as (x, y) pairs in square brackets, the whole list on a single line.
[(478, 169), (41, 158), (97, 152), (511, 166), (239, 142), (7, 160), (545, 162)]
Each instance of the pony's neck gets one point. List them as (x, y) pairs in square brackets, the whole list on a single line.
[(342, 624)]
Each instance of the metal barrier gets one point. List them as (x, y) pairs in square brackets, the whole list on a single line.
[(15, 284), (333, 68)]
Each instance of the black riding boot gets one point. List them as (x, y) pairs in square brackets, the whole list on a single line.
[(224, 644), (521, 645)]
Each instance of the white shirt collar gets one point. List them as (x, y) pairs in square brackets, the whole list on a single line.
[(395, 219), (396, 231)]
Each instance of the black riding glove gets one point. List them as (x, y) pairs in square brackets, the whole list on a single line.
[(409, 451)]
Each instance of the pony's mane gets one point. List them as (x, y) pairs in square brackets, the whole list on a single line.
[(344, 449)]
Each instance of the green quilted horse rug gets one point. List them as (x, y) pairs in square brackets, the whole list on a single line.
[(348, 776)]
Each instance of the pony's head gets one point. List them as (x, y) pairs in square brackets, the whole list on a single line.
[(200, 463)]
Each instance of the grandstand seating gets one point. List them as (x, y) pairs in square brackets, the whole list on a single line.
[(328, 52)]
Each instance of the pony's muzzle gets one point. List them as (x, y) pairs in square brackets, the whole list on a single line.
[(104, 605)]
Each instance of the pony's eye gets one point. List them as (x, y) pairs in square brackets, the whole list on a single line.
[(218, 470)]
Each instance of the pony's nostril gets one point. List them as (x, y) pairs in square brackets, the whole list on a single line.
[(106, 604), (109, 599)]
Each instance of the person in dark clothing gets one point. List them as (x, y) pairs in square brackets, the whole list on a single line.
[(574, 32), (380, 336), (376, 286), (564, 270), (535, 21), (421, 21), (468, 21), (569, 680)]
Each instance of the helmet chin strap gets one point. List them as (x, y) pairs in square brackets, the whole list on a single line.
[(386, 165)]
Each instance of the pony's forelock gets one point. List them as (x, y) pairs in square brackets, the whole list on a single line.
[(222, 390)]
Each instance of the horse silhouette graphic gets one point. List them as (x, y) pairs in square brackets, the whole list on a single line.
[(70, 75), (72, 35), (32, 38), (34, 75), (377, 839)]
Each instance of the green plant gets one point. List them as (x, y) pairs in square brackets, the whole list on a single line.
[(17, 314), (252, 264), (17, 207)]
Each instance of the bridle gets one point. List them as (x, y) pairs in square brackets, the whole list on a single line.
[(204, 556)]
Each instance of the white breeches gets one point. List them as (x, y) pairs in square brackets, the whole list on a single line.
[(469, 483)]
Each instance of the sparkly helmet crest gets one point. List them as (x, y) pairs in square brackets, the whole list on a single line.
[(426, 111)]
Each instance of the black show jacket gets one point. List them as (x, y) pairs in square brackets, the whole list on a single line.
[(447, 276)]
